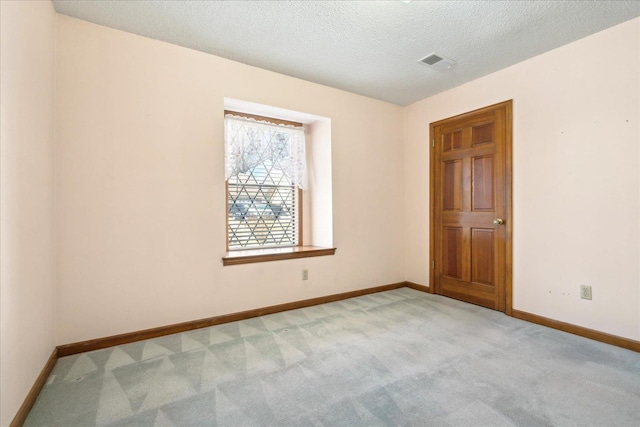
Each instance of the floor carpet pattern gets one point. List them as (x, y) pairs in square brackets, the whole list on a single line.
[(396, 358)]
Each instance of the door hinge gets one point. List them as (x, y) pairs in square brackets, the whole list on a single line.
[(433, 142), (433, 264)]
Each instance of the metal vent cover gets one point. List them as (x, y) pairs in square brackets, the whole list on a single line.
[(437, 62), (431, 59)]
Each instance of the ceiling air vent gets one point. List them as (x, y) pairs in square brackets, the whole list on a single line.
[(437, 62)]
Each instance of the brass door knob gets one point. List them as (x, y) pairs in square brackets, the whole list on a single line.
[(498, 221)]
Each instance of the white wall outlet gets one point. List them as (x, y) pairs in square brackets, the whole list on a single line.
[(585, 292), (305, 274)]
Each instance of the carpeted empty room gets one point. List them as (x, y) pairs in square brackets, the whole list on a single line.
[(319, 213), (401, 357)]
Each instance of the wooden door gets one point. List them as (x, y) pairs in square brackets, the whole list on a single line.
[(471, 207)]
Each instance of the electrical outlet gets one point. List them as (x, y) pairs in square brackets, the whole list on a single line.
[(585, 292), (305, 274)]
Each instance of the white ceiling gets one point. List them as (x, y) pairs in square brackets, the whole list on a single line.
[(366, 47)]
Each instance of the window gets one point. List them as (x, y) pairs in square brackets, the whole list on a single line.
[(265, 171), (266, 179)]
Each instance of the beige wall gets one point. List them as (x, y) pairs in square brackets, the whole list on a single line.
[(140, 186), (27, 294), (576, 184)]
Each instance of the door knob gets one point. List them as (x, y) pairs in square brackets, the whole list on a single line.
[(498, 221)]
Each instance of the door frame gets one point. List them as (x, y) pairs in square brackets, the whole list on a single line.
[(508, 181)]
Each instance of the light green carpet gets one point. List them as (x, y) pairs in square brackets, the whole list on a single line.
[(394, 358)]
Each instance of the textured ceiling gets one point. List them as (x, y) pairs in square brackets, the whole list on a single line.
[(366, 47)]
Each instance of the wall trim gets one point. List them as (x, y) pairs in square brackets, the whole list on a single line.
[(23, 412), (418, 287), (98, 343), (615, 340)]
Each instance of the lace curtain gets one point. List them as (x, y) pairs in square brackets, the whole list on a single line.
[(249, 143)]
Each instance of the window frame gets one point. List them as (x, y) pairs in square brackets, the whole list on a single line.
[(252, 255), (299, 202)]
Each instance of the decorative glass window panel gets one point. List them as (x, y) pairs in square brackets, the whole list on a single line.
[(265, 166)]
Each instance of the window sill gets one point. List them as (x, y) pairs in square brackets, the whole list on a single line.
[(274, 254)]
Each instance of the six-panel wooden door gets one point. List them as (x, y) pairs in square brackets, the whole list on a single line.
[(471, 206)]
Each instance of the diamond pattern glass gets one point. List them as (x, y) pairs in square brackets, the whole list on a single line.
[(262, 208)]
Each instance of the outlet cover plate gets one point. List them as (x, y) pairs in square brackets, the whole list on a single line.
[(585, 292)]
